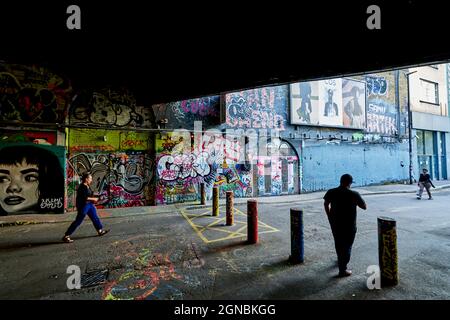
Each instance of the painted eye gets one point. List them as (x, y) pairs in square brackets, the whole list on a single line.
[(4, 179), (31, 178)]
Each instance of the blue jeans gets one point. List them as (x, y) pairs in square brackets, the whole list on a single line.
[(90, 210)]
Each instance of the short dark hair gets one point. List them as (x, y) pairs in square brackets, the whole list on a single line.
[(346, 179), (85, 176)]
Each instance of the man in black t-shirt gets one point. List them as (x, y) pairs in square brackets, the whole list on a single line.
[(85, 206), (342, 218)]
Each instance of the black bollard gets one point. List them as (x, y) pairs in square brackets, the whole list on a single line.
[(297, 242)]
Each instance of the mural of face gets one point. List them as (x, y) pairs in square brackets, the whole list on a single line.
[(19, 187)]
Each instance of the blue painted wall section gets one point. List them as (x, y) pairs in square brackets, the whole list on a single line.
[(369, 164)]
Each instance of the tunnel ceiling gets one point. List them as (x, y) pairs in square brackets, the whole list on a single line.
[(171, 51)]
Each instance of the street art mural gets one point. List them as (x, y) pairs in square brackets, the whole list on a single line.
[(183, 114), (120, 179), (108, 107), (305, 103), (33, 94), (235, 177), (31, 179), (277, 180), (376, 85), (225, 160), (263, 108), (330, 102), (180, 169), (354, 103), (277, 171), (382, 112), (333, 102)]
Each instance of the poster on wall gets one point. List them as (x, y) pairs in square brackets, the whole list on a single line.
[(305, 103), (31, 179), (330, 102), (354, 103)]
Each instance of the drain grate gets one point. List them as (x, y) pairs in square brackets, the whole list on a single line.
[(94, 278)]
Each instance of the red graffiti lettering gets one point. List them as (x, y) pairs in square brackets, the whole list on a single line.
[(133, 143)]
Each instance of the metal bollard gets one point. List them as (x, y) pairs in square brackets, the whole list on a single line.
[(387, 251), (230, 208), (215, 204), (297, 243), (252, 221), (202, 194)]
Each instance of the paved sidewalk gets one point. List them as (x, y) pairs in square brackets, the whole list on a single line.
[(15, 220)]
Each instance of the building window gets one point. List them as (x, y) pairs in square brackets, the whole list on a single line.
[(429, 91)]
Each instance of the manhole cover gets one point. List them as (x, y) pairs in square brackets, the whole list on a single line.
[(93, 278)]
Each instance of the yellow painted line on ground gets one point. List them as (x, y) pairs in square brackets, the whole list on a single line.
[(211, 224), (232, 234), (194, 227), (260, 222)]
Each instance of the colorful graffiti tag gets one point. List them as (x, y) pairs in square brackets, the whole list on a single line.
[(32, 94), (121, 179), (381, 118), (376, 85), (281, 180), (185, 113), (381, 109), (214, 162), (237, 178), (254, 109)]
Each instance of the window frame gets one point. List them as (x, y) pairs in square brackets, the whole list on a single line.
[(436, 92)]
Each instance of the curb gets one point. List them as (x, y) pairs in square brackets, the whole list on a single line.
[(196, 207), (193, 207)]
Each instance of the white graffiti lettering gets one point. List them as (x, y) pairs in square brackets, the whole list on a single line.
[(183, 166), (51, 203)]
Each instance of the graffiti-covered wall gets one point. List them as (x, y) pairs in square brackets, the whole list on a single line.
[(182, 164), (221, 155), (375, 154), (109, 107), (121, 164), (382, 110), (31, 178), (33, 94), (183, 114), (264, 108)]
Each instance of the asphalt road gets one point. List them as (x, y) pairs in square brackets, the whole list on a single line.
[(188, 254)]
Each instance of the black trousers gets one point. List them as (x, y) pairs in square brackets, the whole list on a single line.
[(343, 242)]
